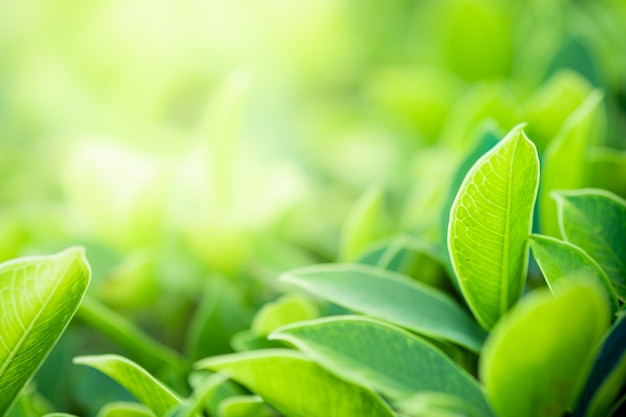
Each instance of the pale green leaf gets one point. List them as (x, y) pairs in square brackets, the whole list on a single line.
[(38, 298), (489, 223), (595, 220), (125, 409), (289, 308), (393, 298), (537, 358), (244, 406), (436, 404), (201, 394), (561, 260), (296, 386), (564, 164), (135, 379), (382, 357)]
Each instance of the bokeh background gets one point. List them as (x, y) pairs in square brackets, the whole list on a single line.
[(203, 147)]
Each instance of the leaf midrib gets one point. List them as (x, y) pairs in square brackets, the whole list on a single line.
[(504, 289)]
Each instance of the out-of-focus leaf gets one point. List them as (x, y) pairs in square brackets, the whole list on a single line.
[(575, 54), (135, 379), (393, 298), (289, 308), (436, 404), (194, 404), (201, 380), (38, 298), (561, 260), (595, 220), (364, 223), (607, 375), (286, 380), (537, 358), (244, 406), (125, 409), (248, 340), (564, 164), (608, 170), (382, 357), (221, 314), (490, 220)]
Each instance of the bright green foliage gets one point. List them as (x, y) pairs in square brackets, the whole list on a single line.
[(243, 406), (125, 409), (382, 357), (203, 392), (297, 387), (38, 298), (608, 170), (537, 358), (290, 308), (435, 404), (561, 261), (608, 374), (595, 220), (393, 298), (565, 160), (136, 380), (489, 222)]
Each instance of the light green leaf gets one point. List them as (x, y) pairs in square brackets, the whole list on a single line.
[(537, 358), (289, 308), (608, 170), (364, 223), (201, 394), (436, 404), (561, 260), (244, 406), (38, 298), (565, 160), (297, 387), (489, 223), (595, 220), (125, 409), (393, 298), (383, 357), (135, 379)]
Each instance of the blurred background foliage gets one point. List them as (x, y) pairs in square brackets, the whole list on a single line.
[(203, 147)]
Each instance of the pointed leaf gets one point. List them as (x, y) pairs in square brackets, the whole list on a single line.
[(489, 222), (561, 260), (537, 358), (289, 308), (286, 380), (135, 379), (393, 298), (38, 298), (595, 220), (565, 160), (386, 358)]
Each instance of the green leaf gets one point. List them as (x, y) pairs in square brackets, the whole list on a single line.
[(38, 298), (561, 260), (244, 406), (489, 223), (595, 220), (565, 160), (537, 358), (608, 374), (436, 404), (393, 298), (608, 170), (135, 379), (297, 387), (289, 308), (382, 357), (364, 223), (125, 409), (201, 395)]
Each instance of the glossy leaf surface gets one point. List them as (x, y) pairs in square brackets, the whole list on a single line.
[(489, 223), (135, 379), (38, 298), (393, 298), (383, 357), (537, 358), (595, 220), (561, 260), (296, 386)]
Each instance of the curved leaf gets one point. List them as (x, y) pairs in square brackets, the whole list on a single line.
[(297, 387), (383, 357), (135, 379), (38, 298), (489, 222), (560, 260), (201, 394), (595, 220), (125, 409), (244, 406), (436, 404), (537, 358), (393, 298), (289, 308)]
